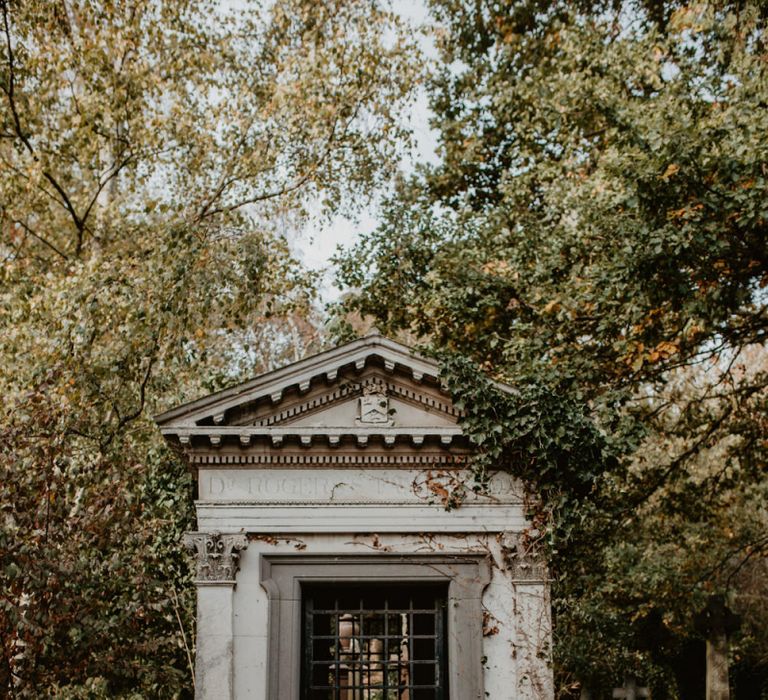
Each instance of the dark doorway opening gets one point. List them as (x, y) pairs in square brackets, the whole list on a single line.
[(374, 642)]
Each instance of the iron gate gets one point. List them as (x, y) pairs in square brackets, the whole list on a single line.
[(366, 642)]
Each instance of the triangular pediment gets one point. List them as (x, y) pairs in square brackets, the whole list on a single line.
[(373, 400), (373, 386), (348, 414), (333, 367)]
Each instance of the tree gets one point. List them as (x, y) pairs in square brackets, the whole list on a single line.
[(152, 157), (595, 234)]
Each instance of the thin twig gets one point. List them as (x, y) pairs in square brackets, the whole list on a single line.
[(32, 233), (183, 635)]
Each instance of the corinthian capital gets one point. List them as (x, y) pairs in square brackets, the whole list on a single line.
[(523, 560), (217, 555)]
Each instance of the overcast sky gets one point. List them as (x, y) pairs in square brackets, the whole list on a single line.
[(316, 245)]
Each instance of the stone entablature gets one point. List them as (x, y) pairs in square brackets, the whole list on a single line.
[(355, 452)]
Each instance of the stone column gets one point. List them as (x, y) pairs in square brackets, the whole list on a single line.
[(217, 558)]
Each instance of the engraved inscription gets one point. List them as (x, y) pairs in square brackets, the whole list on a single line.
[(269, 487), (332, 486)]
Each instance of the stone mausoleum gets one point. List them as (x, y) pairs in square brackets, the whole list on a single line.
[(341, 550)]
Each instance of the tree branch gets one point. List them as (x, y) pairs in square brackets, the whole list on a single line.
[(128, 418), (287, 188), (32, 233), (112, 172), (24, 138)]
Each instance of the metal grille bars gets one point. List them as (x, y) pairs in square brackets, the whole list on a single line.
[(374, 643)]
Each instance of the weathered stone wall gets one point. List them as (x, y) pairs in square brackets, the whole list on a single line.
[(516, 617)]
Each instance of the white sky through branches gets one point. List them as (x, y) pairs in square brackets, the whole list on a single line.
[(319, 241)]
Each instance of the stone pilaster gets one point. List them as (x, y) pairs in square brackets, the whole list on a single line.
[(217, 557), (528, 572)]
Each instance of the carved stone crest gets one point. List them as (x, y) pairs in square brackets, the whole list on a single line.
[(374, 405), (217, 555)]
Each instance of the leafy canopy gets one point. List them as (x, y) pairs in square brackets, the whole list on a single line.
[(153, 158), (595, 235)]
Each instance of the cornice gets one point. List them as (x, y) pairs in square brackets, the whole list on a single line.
[(306, 435)]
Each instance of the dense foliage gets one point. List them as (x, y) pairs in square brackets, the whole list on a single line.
[(595, 235), (152, 158)]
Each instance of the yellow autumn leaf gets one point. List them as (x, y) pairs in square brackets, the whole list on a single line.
[(671, 170), (664, 350), (496, 267), (677, 213)]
